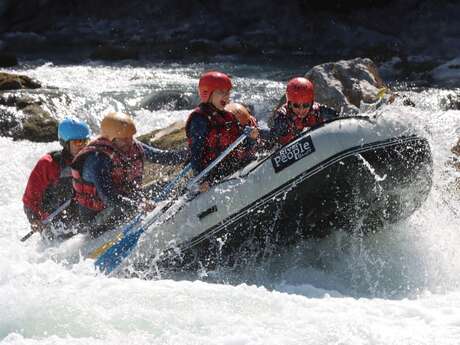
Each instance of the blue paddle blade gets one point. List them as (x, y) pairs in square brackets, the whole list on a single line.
[(110, 260)]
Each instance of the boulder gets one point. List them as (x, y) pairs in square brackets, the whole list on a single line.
[(38, 125), (23, 117), (170, 138), (16, 81), (343, 85), (169, 100)]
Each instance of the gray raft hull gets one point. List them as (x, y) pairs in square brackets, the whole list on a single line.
[(350, 174)]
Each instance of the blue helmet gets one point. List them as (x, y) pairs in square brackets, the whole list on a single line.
[(72, 128)]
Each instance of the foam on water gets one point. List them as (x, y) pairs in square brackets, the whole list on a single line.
[(399, 286)]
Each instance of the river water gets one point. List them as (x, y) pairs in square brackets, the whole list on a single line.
[(399, 286)]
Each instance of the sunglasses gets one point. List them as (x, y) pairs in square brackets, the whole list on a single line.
[(80, 142), (301, 105)]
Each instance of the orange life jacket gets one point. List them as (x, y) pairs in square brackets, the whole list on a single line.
[(127, 172)]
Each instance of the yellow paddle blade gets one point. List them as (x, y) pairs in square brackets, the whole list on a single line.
[(102, 249), (381, 93)]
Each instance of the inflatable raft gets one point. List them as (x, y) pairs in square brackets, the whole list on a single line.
[(350, 174)]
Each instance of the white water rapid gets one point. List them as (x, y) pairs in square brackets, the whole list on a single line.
[(399, 286)]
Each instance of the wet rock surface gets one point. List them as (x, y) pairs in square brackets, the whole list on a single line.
[(343, 85), (10, 81), (23, 117), (169, 100), (172, 137), (27, 110), (447, 74)]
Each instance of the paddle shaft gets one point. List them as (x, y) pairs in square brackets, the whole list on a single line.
[(203, 174), (49, 218), (166, 191)]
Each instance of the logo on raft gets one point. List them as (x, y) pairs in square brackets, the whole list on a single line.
[(292, 153)]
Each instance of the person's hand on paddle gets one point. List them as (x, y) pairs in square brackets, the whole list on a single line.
[(254, 134), (147, 206), (204, 187)]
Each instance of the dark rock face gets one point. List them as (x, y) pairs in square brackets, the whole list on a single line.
[(115, 53), (8, 60), (178, 28)]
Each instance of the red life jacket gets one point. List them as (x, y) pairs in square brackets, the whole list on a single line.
[(296, 124), (49, 184), (224, 129), (127, 172)]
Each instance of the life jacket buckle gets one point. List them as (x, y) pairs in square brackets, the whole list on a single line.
[(228, 125)]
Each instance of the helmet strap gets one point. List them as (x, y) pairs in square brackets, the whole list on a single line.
[(66, 155), (64, 144)]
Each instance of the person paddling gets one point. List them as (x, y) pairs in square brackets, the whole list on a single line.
[(211, 129), (299, 112), (108, 172), (50, 182)]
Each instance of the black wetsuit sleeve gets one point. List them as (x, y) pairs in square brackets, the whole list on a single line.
[(198, 129)]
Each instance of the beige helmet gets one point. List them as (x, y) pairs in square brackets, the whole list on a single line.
[(117, 125), (242, 114)]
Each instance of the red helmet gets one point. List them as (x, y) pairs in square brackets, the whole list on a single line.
[(300, 90), (211, 81)]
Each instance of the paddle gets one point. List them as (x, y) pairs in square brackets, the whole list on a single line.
[(49, 218), (110, 260), (164, 194), (381, 100)]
